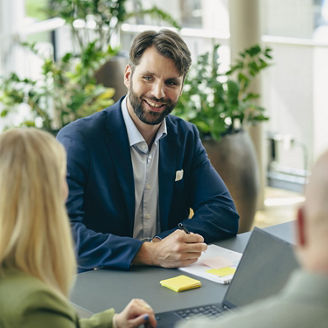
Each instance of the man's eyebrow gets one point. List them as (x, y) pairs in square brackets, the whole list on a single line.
[(152, 73), (175, 80), (147, 73)]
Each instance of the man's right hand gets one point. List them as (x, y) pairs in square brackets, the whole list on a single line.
[(176, 250)]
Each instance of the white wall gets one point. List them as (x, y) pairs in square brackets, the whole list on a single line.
[(288, 18), (288, 96), (294, 91), (320, 93)]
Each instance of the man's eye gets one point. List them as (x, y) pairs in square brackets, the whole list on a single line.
[(147, 78), (171, 83)]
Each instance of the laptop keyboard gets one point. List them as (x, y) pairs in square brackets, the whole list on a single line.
[(211, 310)]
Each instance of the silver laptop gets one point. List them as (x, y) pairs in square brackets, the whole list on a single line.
[(264, 268)]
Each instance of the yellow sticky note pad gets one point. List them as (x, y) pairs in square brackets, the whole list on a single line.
[(222, 271), (181, 283)]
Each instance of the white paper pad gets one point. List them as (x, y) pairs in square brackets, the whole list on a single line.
[(215, 257)]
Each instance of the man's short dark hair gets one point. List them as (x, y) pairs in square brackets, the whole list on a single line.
[(167, 43)]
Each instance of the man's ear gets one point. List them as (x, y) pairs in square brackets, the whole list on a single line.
[(127, 75), (181, 91), (182, 86), (300, 228)]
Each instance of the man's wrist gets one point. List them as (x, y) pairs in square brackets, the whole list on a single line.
[(145, 254)]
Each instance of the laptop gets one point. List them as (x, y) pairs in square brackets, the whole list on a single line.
[(263, 270)]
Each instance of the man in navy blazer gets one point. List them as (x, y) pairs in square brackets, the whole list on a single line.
[(134, 171)]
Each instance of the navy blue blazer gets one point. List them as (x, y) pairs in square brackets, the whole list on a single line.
[(101, 188)]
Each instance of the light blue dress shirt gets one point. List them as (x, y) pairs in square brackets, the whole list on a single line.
[(145, 172)]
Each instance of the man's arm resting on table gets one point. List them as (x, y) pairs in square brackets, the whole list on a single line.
[(215, 215), (103, 249)]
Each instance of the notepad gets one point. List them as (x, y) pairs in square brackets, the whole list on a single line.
[(180, 283), (216, 258)]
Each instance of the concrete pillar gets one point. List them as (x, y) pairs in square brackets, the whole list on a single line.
[(12, 15), (245, 31)]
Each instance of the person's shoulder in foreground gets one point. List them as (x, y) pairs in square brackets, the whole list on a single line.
[(303, 302), (37, 271), (26, 301)]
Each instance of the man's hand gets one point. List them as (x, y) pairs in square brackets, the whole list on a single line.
[(175, 250)]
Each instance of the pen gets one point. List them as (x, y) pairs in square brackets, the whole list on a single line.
[(182, 227), (147, 324)]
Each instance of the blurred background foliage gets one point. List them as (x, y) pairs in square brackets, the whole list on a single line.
[(67, 88)]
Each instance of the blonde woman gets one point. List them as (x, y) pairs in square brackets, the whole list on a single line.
[(37, 261)]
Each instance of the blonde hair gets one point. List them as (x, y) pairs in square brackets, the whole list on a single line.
[(35, 235)]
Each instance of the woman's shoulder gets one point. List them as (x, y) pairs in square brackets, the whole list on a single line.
[(22, 285), (23, 296)]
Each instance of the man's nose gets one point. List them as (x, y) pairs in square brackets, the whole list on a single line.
[(158, 90)]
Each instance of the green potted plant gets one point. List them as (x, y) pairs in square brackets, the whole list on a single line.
[(222, 105), (66, 91), (69, 88)]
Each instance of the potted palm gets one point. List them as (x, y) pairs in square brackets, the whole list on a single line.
[(222, 106)]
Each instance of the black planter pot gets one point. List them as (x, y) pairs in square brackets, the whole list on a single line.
[(111, 74), (234, 159)]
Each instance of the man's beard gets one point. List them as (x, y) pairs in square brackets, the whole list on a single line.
[(149, 117)]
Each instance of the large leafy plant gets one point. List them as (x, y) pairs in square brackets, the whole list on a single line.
[(67, 88), (222, 102)]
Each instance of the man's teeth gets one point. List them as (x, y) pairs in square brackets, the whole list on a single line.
[(154, 104)]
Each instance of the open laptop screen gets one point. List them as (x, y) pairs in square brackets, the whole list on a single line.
[(263, 270)]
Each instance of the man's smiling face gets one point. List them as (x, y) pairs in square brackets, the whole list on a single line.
[(154, 86)]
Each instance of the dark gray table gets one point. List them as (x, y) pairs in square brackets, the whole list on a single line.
[(99, 290)]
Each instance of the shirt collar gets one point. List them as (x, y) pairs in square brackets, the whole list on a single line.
[(134, 135)]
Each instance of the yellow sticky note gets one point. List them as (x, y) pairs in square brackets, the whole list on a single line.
[(222, 271), (180, 283)]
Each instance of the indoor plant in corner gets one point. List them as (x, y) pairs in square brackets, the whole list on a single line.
[(222, 106)]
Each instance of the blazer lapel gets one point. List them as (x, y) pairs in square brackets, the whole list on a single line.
[(167, 168), (119, 149)]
